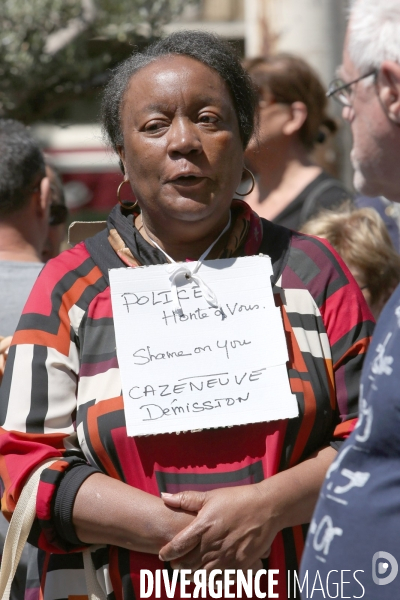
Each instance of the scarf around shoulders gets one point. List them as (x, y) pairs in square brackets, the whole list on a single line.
[(127, 242), (122, 244)]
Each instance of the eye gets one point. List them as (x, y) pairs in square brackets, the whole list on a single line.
[(155, 125), (208, 118)]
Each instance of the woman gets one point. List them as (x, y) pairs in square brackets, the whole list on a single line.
[(362, 240), (179, 116), (291, 187)]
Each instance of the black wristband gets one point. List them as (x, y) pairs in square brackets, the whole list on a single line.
[(64, 501)]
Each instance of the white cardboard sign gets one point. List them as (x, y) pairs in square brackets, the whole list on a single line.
[(202, 369)]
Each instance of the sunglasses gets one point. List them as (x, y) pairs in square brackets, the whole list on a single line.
[(58, 214)]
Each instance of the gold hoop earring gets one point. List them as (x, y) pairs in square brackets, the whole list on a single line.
[(129, 205), (253, 183)]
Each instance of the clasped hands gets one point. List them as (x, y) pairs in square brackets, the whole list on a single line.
[(233, 529)]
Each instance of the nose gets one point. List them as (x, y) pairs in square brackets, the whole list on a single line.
[(184, 137)]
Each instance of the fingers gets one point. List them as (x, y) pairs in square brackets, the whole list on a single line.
[(187, 539), (190, 501), (210, 572), (220, 536), (192, 560), (195, 561), (183, 543)]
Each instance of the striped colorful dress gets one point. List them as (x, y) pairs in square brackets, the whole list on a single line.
[(61, 397)]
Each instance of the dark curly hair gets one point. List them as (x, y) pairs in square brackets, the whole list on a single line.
[(21, 165), (208, 49)]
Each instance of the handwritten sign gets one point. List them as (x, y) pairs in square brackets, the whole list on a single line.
[(209, 367)]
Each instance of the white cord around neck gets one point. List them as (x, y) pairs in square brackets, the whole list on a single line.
[(181, 271)]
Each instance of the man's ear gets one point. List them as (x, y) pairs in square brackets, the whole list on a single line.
[(389, 89), (298, 116), (45, 196)]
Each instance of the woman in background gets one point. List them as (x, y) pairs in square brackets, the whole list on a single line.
[(292, 120)]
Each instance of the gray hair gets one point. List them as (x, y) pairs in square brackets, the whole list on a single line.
[(374, 33)]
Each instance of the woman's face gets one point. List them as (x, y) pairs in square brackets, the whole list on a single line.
[(182, 149), (273, 117)]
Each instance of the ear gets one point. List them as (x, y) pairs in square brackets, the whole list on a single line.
[(389, 89), (298, 112), (45, 195), (41, 199)]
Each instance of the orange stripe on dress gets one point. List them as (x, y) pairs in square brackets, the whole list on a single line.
[(343, 430), (94, 412), (330, 377), (359, 347), (61, 340)]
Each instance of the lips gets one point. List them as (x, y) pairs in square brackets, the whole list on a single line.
[(186, 179)]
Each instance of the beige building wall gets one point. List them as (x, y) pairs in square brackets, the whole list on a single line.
[(224, 17), (223, 10), (314, 29)]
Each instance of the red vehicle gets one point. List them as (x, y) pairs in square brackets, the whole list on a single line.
[(89, 169)]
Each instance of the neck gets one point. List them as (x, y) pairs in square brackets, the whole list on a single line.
[(15, 247), (286, 172), (189, 242), (282, 174)]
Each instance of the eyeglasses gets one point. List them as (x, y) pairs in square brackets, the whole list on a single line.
[(342, 92), (58, 214)]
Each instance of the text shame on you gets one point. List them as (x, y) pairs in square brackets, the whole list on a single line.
[(208, 367)]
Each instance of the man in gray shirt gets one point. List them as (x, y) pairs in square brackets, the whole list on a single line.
[(24, 220), (16, 281)]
